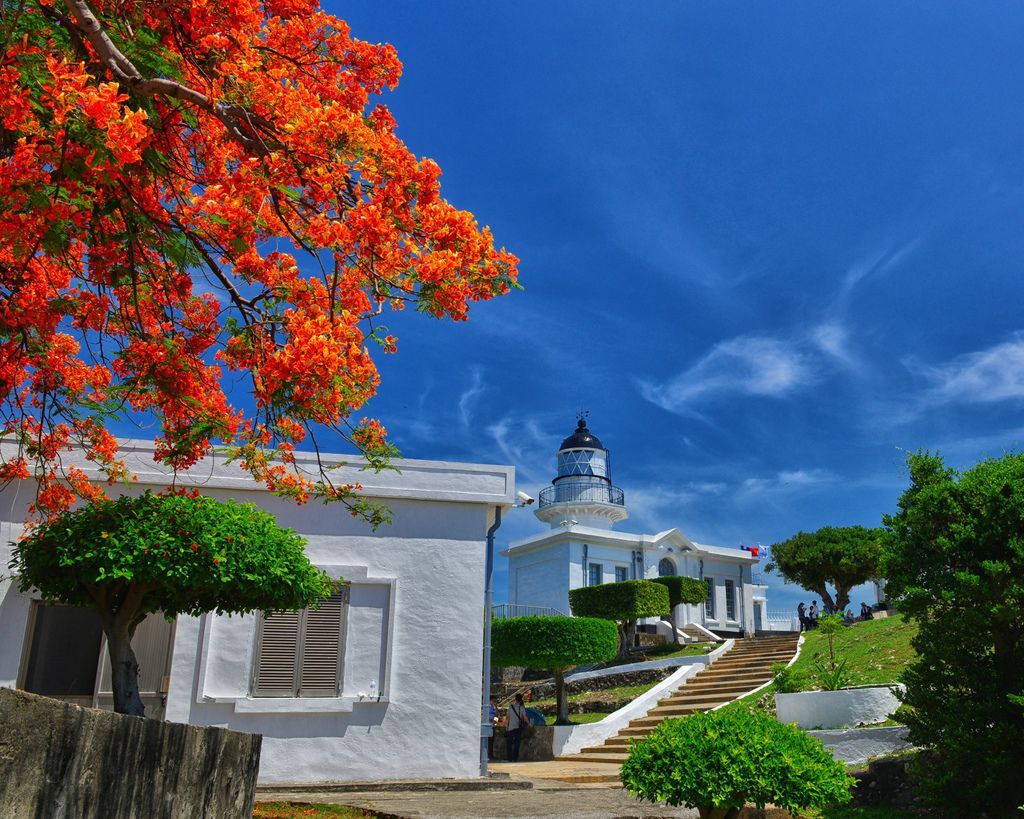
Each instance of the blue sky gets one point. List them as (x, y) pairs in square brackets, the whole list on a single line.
[(768, 246)]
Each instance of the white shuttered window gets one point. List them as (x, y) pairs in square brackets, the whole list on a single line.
[(300, 653)]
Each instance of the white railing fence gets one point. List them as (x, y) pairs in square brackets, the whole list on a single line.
[(781, 620), (505, 610)]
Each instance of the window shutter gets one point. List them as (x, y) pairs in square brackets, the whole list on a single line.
[(278, 661), (323, 647)]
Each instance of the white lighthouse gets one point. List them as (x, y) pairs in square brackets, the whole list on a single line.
[(582, 491), (581, 548)]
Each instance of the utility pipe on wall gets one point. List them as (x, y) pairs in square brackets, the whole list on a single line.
[(486, 726)]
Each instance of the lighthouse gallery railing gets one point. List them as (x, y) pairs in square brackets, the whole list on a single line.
[(581, 491)]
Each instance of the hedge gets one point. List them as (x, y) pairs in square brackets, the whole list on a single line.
[(623, 601), (683, 589), (549, 643)]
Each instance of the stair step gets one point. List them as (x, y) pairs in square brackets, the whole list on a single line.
[(594, 756), (686, 693), (726, 679), (673, 711), (734, 676)]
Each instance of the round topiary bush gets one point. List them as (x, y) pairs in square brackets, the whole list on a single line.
[(553, 644), (719, 761)]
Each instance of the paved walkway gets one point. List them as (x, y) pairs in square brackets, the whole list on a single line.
[(546, 799), (550, 789)]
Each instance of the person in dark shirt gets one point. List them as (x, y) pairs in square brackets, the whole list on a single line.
[(517, 718), (801, 612)]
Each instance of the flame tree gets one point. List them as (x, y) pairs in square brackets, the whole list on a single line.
[(193, 193)]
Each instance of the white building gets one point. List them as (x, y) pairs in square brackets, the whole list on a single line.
[(394, 687), (582, 548)]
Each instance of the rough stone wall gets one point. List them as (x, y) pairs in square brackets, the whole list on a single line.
[(60, 761), (643, 677), (535, 745)]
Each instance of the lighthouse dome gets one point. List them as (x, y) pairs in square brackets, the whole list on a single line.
[(581, 438)]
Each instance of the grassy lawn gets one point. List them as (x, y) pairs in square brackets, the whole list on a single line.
[(876, 651), (290, 810), (579, 719)]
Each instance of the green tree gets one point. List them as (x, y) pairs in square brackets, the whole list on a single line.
[(172, 553), (841, 557), (720, 760), (955, 565), (682, 590), (555, 644), (624, 602)]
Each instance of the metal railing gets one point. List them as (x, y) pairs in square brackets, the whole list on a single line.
[(569, 491), (505, 610)]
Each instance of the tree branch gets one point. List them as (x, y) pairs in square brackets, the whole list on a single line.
[(125, 72)]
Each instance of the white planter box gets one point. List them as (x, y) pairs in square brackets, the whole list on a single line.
[(846, 708)]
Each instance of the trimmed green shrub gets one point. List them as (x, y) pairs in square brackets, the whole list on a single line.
[(554, 644), (624, 602), (720, 760), (682, 590), (178, 553)]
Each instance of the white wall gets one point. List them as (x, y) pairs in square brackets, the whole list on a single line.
[(428, 723), (415, 625), (720, 571), (540, 578), (846, 708)]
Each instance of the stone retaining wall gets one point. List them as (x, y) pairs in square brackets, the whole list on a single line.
[(62, 761), (534, 746), (647, 676)]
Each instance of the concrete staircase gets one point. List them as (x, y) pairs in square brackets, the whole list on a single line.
[(745, 667)]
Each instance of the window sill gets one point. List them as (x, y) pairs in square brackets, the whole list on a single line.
[(296, 705)]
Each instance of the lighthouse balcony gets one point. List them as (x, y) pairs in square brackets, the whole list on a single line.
[(581, 491)]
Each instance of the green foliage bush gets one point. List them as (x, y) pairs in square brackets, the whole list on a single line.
[(955, 566), (192, 554), (626, 600), (554, 644), (788, 679), (550, 643), (720, 760), (683, 589)]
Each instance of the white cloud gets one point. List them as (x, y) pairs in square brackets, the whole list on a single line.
[(995, 374), (877, 263), (659, 507), (786, 480), (522, 442), (471, 397), (745, 365)]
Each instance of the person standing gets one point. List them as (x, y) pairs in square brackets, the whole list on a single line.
[(812, 615), (801, 613), (492, 718), (517, 718)]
